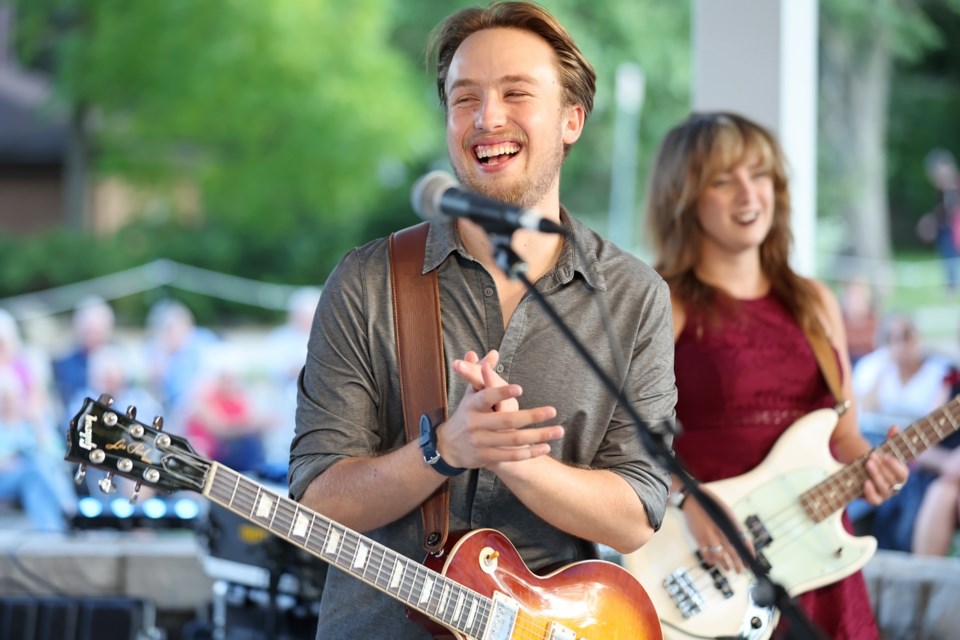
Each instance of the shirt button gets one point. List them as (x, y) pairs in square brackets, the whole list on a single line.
[(500, 368), (488, 291)]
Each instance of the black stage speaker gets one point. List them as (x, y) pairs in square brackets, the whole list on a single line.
[(66, 618)]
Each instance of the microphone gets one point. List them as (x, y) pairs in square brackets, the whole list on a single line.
[(437, 194)]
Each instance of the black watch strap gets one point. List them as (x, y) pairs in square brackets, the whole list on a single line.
[(428, 445)]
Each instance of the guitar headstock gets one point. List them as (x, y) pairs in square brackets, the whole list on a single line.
[(102, 437)]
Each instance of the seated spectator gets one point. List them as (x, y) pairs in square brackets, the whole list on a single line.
[(859, 317), (898, 383), (174, 354), (222, 421), (939, 516), (93, 324), (32, 471), (30, 369)]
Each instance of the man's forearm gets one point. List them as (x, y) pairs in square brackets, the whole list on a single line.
[(593, 504), (366, 493)]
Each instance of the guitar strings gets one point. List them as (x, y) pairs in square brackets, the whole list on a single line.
[(246, 496)]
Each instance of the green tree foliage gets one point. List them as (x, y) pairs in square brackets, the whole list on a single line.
[(283, 113), (862, 46), (302, 123), (923, 115)]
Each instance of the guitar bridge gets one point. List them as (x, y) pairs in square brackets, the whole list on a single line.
[(684, 593)]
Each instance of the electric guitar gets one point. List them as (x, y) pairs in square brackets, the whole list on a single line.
[(478, 589), (790, 506)]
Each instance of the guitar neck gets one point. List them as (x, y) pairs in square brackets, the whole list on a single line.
[(417, 586), (838, 490)]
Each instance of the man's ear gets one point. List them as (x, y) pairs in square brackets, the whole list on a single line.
[(573, 123)]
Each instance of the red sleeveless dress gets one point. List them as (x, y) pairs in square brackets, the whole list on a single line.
[(743, 378)]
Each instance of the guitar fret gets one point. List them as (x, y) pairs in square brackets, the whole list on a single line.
[(922, 437), (913, 451), (949, 416)]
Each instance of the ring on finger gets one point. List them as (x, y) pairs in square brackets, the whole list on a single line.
[(717, 548), (896, 487)]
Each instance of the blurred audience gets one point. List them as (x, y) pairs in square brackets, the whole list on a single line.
[(32, 472), (939, 518), (174, 354), (110, 371), (898, 383), (222, 420), (941, 225), (860, 317), (287, 349), (93, 326), (31, 369)]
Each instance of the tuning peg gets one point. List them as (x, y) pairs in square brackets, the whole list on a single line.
[(158, 423), (132, 412), (106, 484), (136, 494), (80, 474), (105, 398)]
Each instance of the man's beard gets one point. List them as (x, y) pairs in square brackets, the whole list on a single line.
[(524, 191)]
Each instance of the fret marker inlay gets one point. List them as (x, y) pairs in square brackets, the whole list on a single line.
[(333, 541), (264, 506), (360, 560), (427, 589), (300, 525), (397, 575)]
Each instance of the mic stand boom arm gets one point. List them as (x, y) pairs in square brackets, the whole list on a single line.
[(767, 592)]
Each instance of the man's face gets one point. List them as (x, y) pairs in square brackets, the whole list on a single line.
[(506, 119)]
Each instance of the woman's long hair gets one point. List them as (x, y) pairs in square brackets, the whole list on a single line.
[(689, 158)]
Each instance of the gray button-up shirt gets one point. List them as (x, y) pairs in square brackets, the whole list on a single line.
[(349, 398)]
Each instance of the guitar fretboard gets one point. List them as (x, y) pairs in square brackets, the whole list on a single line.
[(417, 586), (845, 485)]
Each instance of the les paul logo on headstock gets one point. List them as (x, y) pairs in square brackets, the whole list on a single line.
[(136, 449)]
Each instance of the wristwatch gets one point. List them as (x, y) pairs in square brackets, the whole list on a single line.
[(677, 498), (428, 445)]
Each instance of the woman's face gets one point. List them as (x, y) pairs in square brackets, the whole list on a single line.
[(736, 209)]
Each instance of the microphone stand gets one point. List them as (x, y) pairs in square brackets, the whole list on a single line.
[(766, 592)]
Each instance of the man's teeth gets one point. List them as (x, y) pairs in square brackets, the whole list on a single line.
[(497, 150)]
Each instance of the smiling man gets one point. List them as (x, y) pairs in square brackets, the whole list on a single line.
[(551, 460)]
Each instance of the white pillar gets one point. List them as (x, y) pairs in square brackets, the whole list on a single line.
[(759, 58)]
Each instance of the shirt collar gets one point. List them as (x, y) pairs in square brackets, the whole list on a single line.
[(443, 240)]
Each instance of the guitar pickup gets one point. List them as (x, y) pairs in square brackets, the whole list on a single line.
[(560, 632), (719, 580), (758, 532)]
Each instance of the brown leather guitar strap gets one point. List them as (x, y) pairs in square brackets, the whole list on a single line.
[(829, 366), (416, 315)]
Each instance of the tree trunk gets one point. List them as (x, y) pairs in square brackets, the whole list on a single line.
[(76, 165), (855, 86)]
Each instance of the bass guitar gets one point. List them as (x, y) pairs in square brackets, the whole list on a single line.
[(790, 506), (478, 589)]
